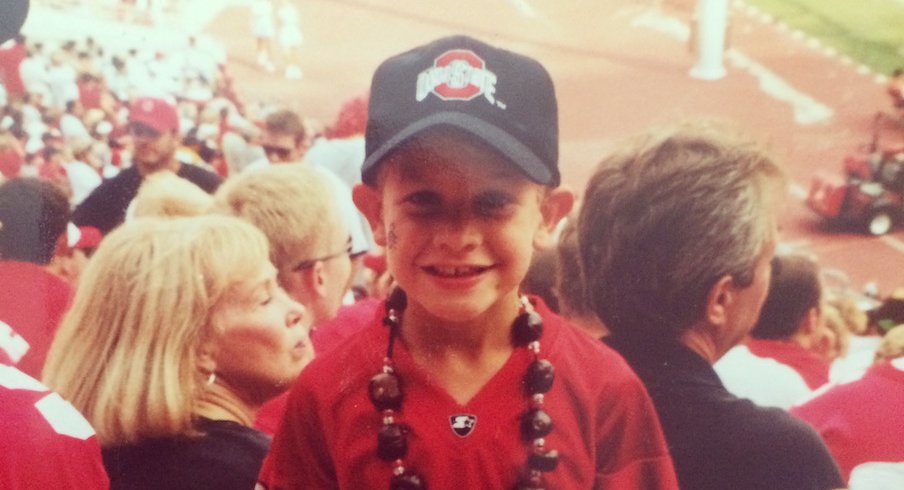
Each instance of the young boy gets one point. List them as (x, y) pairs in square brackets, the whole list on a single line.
[(460, 382)]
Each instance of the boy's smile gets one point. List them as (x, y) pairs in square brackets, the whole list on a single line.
[(455, 271), (459, 223)]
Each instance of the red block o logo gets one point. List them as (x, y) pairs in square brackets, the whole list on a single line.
[(461, 63)]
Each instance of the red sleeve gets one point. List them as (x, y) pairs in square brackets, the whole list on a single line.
[(632, 449), (45, 442), (299, 456)]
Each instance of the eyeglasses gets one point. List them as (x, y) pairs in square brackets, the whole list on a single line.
[(277, 151), (307, 264), (143, 131)]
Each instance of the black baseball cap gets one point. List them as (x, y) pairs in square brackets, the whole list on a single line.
[(504, 99)]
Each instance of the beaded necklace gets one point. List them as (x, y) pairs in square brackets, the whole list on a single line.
[(386, 395)]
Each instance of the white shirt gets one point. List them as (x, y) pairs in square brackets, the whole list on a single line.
[(766, 382), (83, 179)]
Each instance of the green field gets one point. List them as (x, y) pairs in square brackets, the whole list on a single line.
[(869, 31)]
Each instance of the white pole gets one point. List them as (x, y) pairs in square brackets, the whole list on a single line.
[(712, 19)]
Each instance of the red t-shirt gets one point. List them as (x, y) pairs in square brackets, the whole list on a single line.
[(811, 367), (325, 338), (10, 59), (861, 421), (45, 442), (32, 302), (606, 429), (89, 94), (11, 162)]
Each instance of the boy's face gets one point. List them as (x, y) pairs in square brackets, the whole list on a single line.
[(459, 224)]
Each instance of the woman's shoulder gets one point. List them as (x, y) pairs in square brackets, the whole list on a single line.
[(224, 455)]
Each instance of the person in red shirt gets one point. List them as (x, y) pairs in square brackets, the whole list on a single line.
[(790, 328), (34, 215), (12, 155), (459, 381), (862, 421), (11, 56), (46, 443)]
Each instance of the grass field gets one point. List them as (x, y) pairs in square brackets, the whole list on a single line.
[(869, 31)]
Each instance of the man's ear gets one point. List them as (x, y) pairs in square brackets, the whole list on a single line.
[(370, 202), (556, 204), (300, 284), (316, 279), (719, 301), (809, 323)]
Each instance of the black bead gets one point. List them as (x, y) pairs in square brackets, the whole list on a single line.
[(535, 423), (527, 483), (397, 300), (385, 391), (539, 377), (407, 481), (528, 327), (391, 442), (390, 322), (543, 461)]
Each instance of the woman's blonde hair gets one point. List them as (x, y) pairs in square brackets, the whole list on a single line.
[(126, 354)]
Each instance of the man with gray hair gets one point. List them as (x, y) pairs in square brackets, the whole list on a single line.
[(676, 237)]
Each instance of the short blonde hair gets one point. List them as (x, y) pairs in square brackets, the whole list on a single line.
[(835, 322), (126, 354), (293, 204), (855, 319), (892, 345), (167, 195)]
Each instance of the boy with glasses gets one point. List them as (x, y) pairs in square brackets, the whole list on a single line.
[(310, 245)]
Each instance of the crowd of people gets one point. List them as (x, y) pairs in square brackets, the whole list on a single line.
[(198, 292)]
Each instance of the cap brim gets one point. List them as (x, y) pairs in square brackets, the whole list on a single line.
[(507, 145)]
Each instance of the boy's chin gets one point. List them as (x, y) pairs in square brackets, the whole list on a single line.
[(459, 310)]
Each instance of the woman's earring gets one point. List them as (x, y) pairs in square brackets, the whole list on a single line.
[(211, 378)]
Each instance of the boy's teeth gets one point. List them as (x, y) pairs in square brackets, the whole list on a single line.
[(456, 271)]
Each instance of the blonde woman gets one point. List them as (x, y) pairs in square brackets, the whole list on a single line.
[(177, 334)]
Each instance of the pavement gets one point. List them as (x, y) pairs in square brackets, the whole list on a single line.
[(619, 66)]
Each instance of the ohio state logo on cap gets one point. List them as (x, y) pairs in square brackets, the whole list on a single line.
[(457, 74)]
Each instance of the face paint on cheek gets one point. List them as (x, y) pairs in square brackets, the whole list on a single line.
[(392, 239)]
